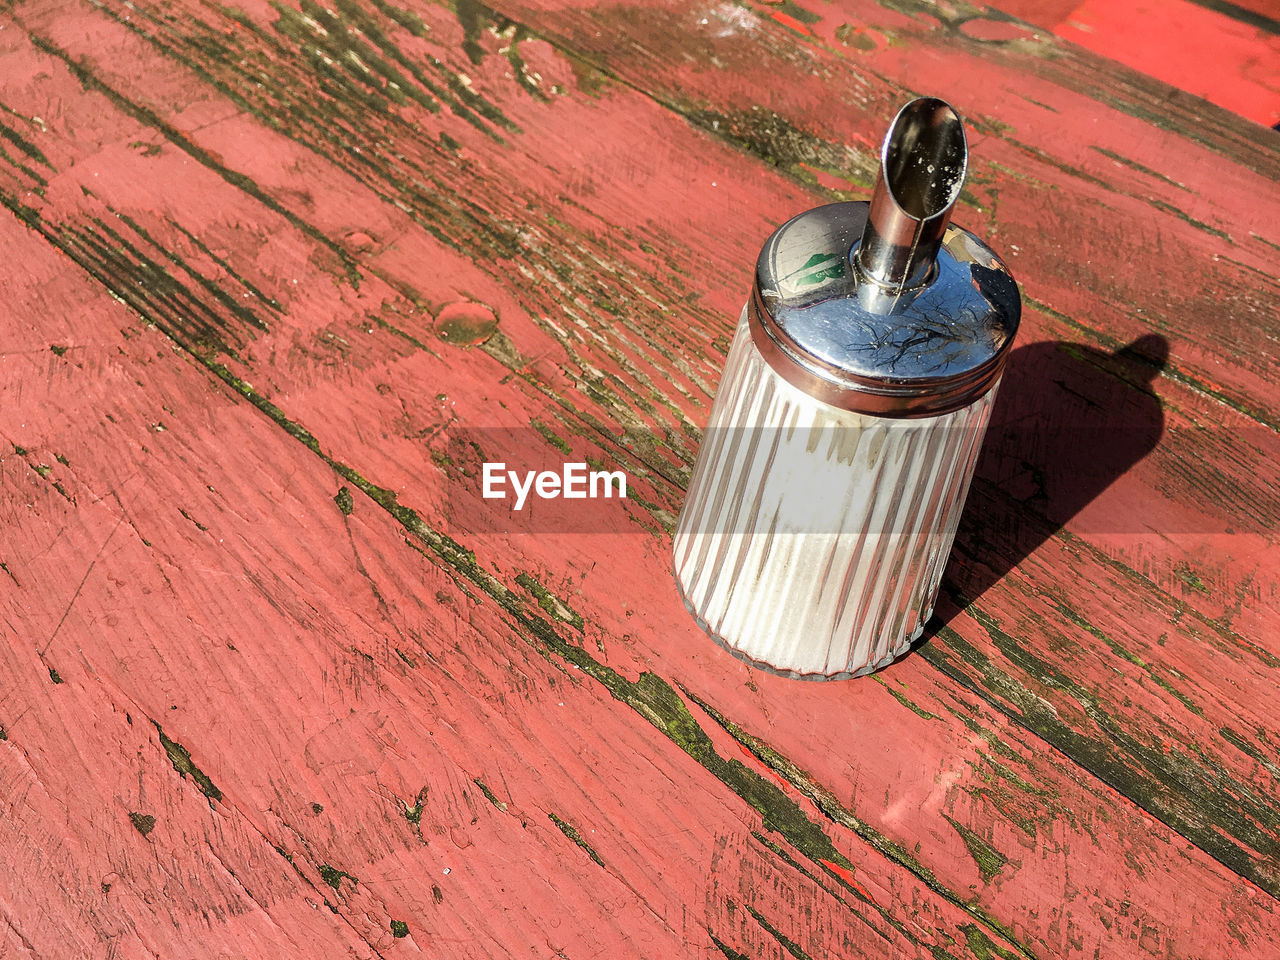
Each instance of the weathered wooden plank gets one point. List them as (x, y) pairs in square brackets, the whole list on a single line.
[(358, 728), (306, 368), (234, 65), (1128, 661), (390, 705), (108, 851)]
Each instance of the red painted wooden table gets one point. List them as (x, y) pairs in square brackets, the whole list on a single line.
[(276, 680)]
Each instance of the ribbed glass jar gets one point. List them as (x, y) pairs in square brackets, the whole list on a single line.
[(813, 539)]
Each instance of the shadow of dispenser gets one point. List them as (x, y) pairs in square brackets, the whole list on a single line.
[(1070, 421), (842, 441)]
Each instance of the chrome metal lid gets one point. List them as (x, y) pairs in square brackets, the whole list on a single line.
[(884, 308)]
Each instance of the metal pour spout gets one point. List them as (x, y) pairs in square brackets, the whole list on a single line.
[(922, 168)]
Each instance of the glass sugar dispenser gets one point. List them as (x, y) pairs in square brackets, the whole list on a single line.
[(843, 438)]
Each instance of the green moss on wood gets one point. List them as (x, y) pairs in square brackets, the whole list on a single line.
[(333, 876), (812, 845), (903, 699), (1193, 795), (148, 117), (1135, 165), (785, 942), (1270, 763), (1182, 570), (730, 954), (180, 757), (471, 18), (399, 929), (553, 438), (989, 860), (344, 501), (983, 947), (1156, 676), (414, 813), (26, 146), (649, 695), (777, 141), (549, 602), (570, 831), (489, 795), (1190, 221), (144, 823), (199, 526)]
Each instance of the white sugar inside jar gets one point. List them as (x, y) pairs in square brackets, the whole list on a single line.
[(834, 469)]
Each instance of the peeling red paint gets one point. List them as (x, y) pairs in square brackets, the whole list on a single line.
[(397, 723)]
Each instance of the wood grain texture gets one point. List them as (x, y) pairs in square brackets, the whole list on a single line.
[(353, 723), (291, 201)]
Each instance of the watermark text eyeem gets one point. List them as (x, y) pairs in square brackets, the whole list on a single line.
[(573, 482)]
